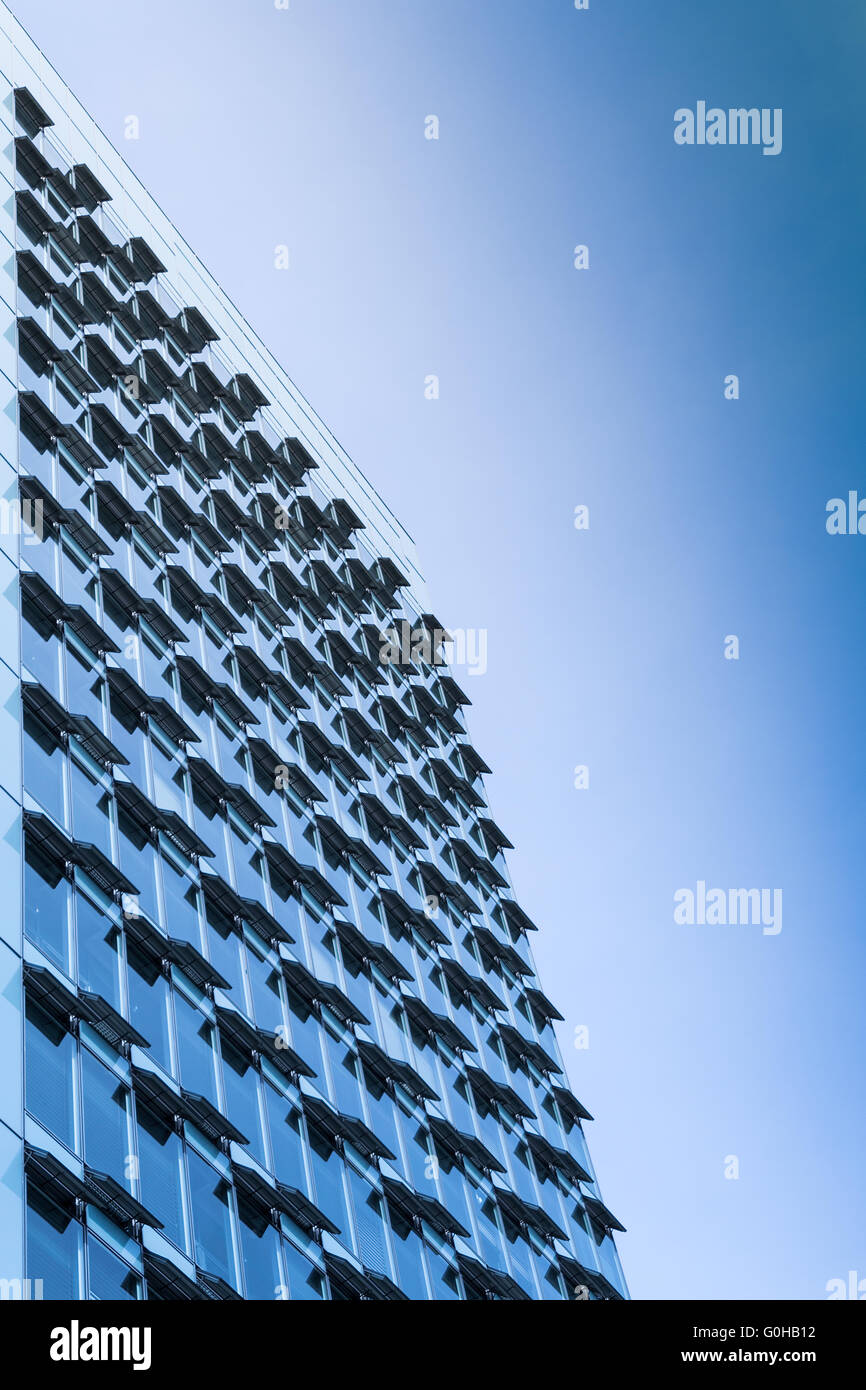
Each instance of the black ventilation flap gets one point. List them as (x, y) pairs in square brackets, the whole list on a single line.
[(216, 1289), (601, 1214), (120, 1205), (144, 261), (88, 187), (170, 1282), (560, 1159), (492, 1284), (31, 211), (374, 1057), (58, 845), (458, 1142), (354, 941), (212, 1123), (305, 1212), (570, 1106), (46, 990), (197, 329), (527, 1047), (429, 1021), (498, 1093), (29, 113), (426, 1208), (126, 688), (528, 1214), (542, 1005), (500, 951), (53, 1177), (313, 989), (59, 720), (108, 1023), (345, 1127), (460, 979), (516, 917)]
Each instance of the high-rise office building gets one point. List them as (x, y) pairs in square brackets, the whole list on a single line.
[(270, 1022)]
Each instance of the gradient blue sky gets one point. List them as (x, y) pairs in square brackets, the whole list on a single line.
[(602, 387)]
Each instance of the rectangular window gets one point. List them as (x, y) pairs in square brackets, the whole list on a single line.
[(195, 1046), (367, 1205), (85, 685), (383, 1117), (106, 1119), (90, 803), (344, 1074), (181, 903), (249, 864), (306, 1031), (128, 734), (284, 1122), (44, 764), (225, 949), (79, 579), (409, 1255), (169, 778), (161, 1173), (109, 1278), (211, 1218), (54, 1247), (445, 1279), (265, 987), (138, 862), (47, 894), (98, 962), (49, 1081), (149, 1003), (241, 1082), (260, 1251), (328, 1169), (305, 1282)]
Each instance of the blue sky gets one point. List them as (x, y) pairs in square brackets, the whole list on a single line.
[(601, 387)]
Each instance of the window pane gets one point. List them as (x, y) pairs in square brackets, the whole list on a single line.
[(106, 1131), (148, 1002), (44, 761), (265, 984), (98, 966), (328, 1178), (40, 653), (49, 1086), (242, 1097), (306, 1031), (284, 1122), (195, 1047), (128, 734), (344, 1073), (181, 904), (305, 1281), (90, 804), (169, 780), (211, 1218), (138, 862), (108, 1277), (260, 1250), (85, 687), (445, 1280), (46, 906), (160, 1158), (409, 1257), (368, 1220), (225, 951), (53, 1245)]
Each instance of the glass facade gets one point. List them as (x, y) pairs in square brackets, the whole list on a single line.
[(279, 1029)]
